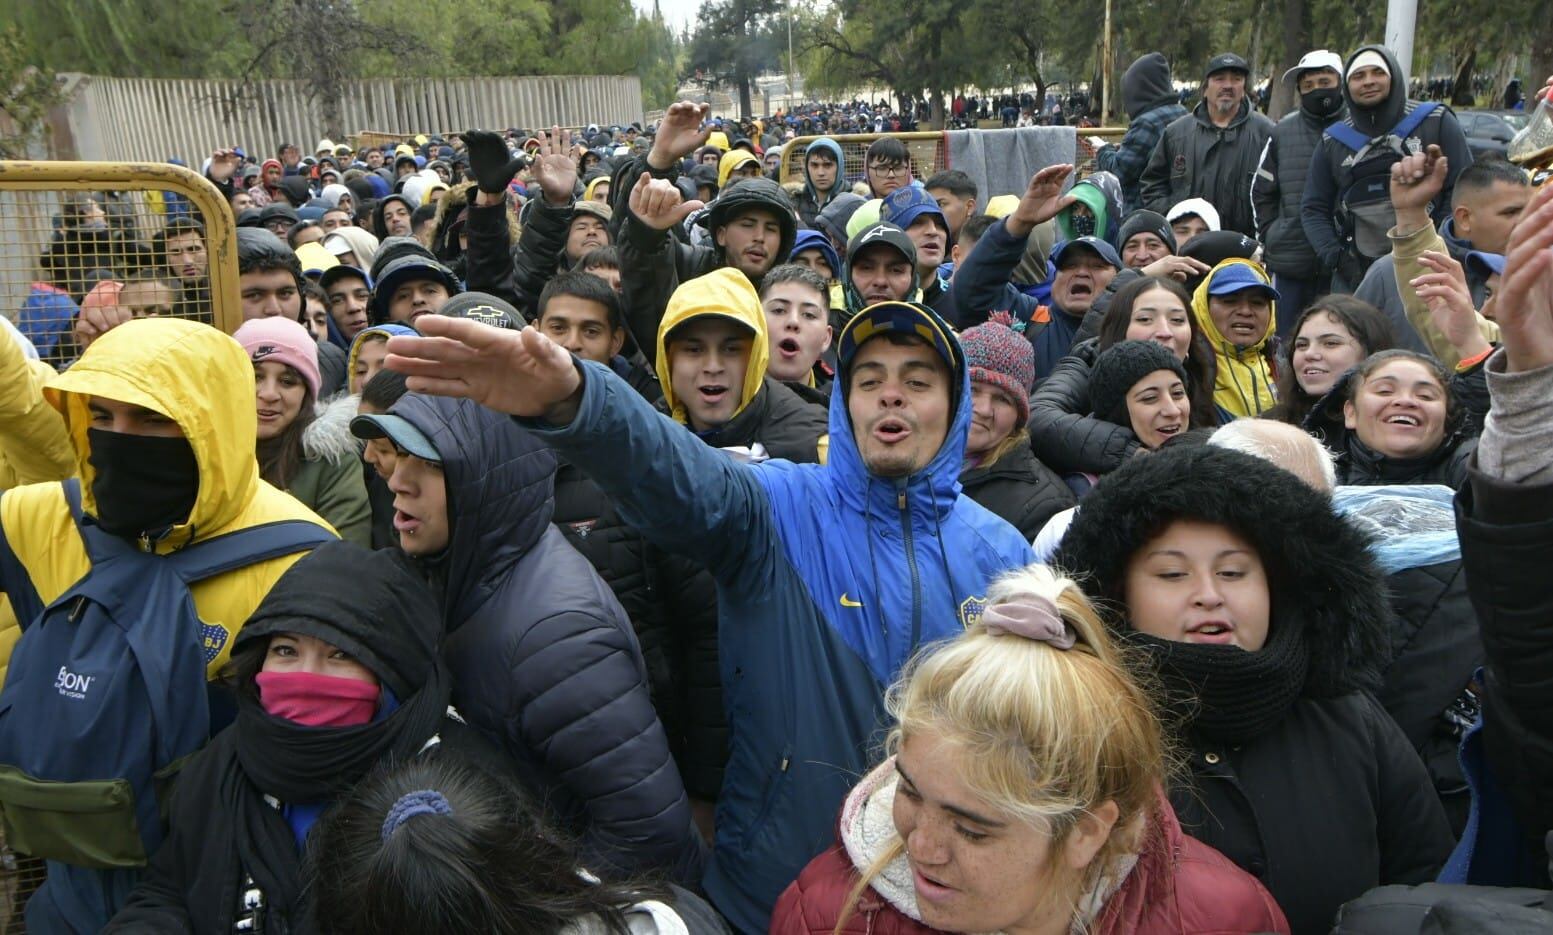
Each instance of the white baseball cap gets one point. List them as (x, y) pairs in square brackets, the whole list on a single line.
[(1311, 61)]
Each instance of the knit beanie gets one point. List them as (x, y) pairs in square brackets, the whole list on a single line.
[(1119, 368), (1000, 356), (283, 341), (1144, 221)]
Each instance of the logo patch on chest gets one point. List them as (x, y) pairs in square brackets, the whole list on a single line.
[(971, 610), (213, 639)]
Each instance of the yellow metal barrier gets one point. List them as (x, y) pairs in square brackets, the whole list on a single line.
[(927, 151), (95, 233)]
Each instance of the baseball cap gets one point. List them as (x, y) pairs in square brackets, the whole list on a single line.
[(484, 308), (1238, 277), (885, 234), (340, 271), (315, 259), (1315, 61), (398, 430), (1104, 250), (1486, 262), (903, 206), (1227, 61), (407, 269), (900, 318)]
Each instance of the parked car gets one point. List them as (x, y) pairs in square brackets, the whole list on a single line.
[(1490, 131)]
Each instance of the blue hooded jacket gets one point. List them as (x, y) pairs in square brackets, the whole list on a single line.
[(828, 578), (817, 240)]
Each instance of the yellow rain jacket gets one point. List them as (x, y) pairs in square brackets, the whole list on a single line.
[(201, 379), (33, 445), (733, 159), (1243, 381), (725, 293)]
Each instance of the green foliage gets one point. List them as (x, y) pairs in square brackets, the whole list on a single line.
[(327, 41), (26, 95)]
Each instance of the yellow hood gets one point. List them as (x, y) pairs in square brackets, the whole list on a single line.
[(1243, 381), (726, 293), (733, 159), (193, 374)]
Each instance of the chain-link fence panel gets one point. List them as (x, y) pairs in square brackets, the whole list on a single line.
[(928, 152), (154, 239)]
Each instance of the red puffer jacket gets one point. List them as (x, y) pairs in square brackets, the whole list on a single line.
[(1179, 886)]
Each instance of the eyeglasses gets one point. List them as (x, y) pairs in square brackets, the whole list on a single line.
[(888, 170)]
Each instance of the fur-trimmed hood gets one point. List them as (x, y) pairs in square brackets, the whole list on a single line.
[(328, 437), (1320, 568)]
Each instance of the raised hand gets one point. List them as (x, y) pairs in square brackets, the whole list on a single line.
[(92, 323), (1041, 201), (679, 133), (554, 169), (1524, 303), (658, 203), (1444, 290), (522, 373), (1416, 181), (1179, 268), (491, 162), (223, 165)]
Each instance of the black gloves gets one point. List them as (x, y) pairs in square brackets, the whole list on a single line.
[(493, 166)]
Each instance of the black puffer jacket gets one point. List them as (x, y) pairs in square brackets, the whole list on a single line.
[(1195, 159), (1020, 489), (543, 658), (1278, 189), (1063, 435), (672, 604), (1330, 800), (515, 271)]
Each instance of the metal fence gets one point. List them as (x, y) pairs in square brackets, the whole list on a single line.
[(157, 119), (153, 238), (928, 152)]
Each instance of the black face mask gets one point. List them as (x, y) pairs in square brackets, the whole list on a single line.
[(1322, 102), (144, 483), (1083, 224)]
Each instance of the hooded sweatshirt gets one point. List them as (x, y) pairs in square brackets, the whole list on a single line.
[(768, 413), (813, 201), (731, 160), (1102, 195), (1244, 381), (829, 577), (1151, 104)]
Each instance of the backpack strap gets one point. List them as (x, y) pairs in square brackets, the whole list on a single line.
[(244, 547), (1345, 133), (1412, 121)]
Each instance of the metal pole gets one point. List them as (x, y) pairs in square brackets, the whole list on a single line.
[(1105, 67), (1401, 20), (789, 52)]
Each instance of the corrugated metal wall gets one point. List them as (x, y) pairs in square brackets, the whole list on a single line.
[(138, 119)]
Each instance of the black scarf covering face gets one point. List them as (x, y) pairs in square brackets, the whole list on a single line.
[(373, 607), (1225, 694)]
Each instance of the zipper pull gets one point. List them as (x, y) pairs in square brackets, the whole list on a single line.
[(785, 761), (78, 610), (900, 500)]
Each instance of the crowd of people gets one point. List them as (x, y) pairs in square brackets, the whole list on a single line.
[(614, 538)]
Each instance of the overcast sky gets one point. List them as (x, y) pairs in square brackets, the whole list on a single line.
[(678, 13)]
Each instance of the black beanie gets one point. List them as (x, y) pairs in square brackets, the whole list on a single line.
[(1144, 221), (1118, 368)]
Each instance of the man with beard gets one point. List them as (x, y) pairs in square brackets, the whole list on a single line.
[(1346, 210), (1280, 184), (1212, 152), (183, 253)]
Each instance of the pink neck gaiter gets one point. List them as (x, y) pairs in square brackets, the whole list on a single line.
[(314, 700)]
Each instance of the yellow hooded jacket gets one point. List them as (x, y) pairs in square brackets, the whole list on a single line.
[(33, 445), (201, 379), (724, 293), (733, 159), (1243, 381)]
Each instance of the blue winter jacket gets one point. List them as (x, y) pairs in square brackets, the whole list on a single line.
[(828, 578)]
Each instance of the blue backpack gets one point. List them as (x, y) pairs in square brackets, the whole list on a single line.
[(1364, 205), (105, 699)]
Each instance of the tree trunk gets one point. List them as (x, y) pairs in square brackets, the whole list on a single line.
[(1461, 95), (935, 109), (744, 97), (1296, 39), (1541, 60)]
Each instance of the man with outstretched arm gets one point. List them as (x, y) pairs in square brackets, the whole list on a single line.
[(829, 576)]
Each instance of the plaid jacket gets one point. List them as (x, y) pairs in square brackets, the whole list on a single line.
[(1127, 158)]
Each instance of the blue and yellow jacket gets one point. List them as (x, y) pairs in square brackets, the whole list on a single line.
[(828, 579), (202, 380)]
